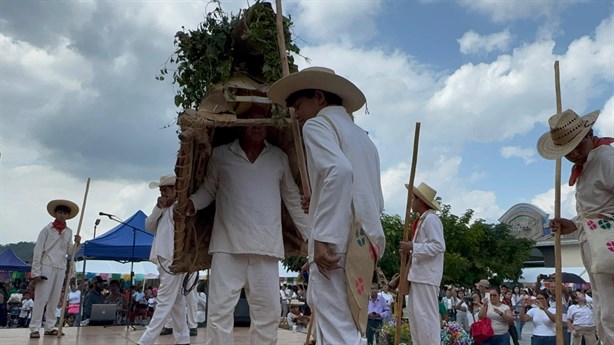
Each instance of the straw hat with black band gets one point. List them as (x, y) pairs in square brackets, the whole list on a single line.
[(426, 194), (54, 204), (567, 130), (318, 78)]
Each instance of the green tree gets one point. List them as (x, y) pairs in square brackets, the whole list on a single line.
[(474, 249)]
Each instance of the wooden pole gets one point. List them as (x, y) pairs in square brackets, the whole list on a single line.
[(75, 247), (558, 277), (310, 327), (296, 129), (403, 283)]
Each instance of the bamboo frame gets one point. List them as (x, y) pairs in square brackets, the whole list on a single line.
[(558, 277), (64, 297), (405, 264)]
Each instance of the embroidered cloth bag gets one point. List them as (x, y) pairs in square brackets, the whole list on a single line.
[(359, 267), (481, 330), (599, 229)]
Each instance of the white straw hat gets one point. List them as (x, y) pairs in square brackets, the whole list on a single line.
[(426, 194), (318, 78), (53, 204), (166, 180), (567, 130)]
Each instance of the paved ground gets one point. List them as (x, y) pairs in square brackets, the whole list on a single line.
[(119, 335)]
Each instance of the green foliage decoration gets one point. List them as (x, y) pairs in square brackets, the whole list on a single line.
[(223, 45)]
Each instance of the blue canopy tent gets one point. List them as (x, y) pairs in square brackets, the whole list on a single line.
[(116, 244), (12, 263)]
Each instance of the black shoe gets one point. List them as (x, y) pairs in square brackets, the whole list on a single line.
[(166, 331), (193, 332)]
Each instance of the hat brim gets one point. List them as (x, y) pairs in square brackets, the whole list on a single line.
[(53, 204), (433, 204), (549, 150), (353, 99)]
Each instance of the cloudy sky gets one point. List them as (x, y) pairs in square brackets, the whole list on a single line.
[(78, 97)]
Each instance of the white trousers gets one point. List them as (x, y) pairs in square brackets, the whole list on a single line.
[(170, 302), (47, 293), (259, 275), (191, 301), (424, 314), (333, 321), (602, 286)]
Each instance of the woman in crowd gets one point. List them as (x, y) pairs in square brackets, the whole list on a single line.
[(461, 310), (473, 310), (517, 298), (500, 316), (543, 317), (580, 320), (74, 304), (118, 298)]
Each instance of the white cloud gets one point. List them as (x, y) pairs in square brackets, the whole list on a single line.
[(345, 21), (604, 127), (27, 189), (524, 153), (508, 10), (473, 43), (545, 201)]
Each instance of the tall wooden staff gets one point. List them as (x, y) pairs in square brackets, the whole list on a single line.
[(558, 277), (403, 283), (296, 131), (64, 297)]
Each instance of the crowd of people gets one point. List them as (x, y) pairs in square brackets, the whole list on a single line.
[(249, 178)]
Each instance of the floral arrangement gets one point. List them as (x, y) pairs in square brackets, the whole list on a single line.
[(454, 334), (388, 330)]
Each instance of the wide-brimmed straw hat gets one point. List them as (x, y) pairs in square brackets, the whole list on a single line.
[(567, 130), (295, 302), (166, 180), (53, 204), (426, 194), (483, 283), (318, 78)]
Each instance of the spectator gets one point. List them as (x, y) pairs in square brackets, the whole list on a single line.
[(543, 317), (500, 316), (580, 320), (26, 309), (296, 320), (378, 310), (93, 296), (74, 303)]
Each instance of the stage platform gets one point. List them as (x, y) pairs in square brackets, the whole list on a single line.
[(119, 335)]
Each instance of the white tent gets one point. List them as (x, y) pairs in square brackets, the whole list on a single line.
[(146, 268)]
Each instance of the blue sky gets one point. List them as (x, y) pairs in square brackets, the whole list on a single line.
[(78, 97)]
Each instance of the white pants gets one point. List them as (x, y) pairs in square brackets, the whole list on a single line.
[(259, 275), (602, 286), (47, 293), (191, 301), (424, 314), (170, 302), (333, 320)]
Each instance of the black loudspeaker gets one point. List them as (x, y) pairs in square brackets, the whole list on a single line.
[(241, 314)]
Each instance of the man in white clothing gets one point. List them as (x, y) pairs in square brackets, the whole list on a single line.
[(343, 167), (572, 136), (49, 265), (426, 251), (171, 300), (248, 179)]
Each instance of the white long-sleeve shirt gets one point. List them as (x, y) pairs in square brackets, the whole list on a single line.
[(344, 176), (248, 200), (429, 248), (595, 186), (48, 254), (161, 223)]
